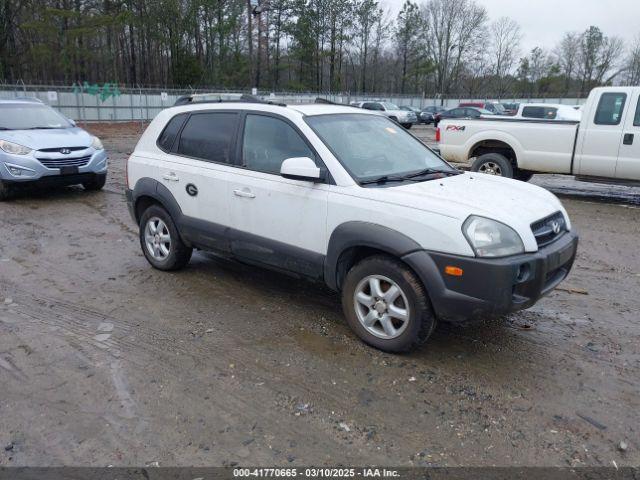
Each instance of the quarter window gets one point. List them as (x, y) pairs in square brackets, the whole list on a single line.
[(610, 109), (168, 135), (636, 118), (268, 142), (209, 136), (548, 113)]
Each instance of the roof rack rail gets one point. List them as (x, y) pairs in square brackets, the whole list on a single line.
[(324, 101), (218, 98)]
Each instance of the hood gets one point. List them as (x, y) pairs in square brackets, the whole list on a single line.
[(56, 138), (514, 203)]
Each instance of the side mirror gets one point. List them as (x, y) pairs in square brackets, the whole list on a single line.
[(72, 122), (300, 168)]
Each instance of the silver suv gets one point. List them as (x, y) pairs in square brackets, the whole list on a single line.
[(40, 146), (404, 117)]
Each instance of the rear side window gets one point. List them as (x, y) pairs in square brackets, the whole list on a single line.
[(170, 132), (610, 109), (373, 106), (636, 118), (209, 136), (270, 141), (548, 113)]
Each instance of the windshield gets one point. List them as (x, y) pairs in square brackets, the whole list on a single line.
[(390, 106), (25, 116), (371, 146)]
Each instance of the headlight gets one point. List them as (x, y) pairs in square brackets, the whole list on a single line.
[(97, 144), (490, 238), (14, 148)]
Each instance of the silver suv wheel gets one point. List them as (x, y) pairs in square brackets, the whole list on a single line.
[(381, 306), (157, 238)]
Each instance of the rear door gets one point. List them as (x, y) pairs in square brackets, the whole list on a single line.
[(602, 136), (628, 167), (277, 221), (197, 172)]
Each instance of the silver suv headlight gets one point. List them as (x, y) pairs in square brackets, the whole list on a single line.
[(97, 144), (490, 238), (14, 148)]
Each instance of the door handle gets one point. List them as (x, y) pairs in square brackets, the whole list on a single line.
[(628, 139), (244, 193), (171, 177)]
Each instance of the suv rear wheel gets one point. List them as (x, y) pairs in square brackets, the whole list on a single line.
[(386, 305), (160, 241)]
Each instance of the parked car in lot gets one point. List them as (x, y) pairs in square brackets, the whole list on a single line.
[(404, 117), (427, 115), (494, 107), (461, 112), (347, 198), (40, 146), (510, 108), (548, 111), (603, 146)]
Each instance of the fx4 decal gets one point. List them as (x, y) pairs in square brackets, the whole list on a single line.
[(456, 128)]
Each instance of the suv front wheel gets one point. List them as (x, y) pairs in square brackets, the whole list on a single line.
[(386, 305), (160, 241)]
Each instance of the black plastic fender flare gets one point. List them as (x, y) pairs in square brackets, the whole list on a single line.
[(363, 234)]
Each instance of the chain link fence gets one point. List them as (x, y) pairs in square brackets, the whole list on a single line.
[(111, 103)]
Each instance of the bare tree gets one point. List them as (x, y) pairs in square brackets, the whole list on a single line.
[(632, 64), (599, 55), (455, 27), (566, 55), (505, 45)]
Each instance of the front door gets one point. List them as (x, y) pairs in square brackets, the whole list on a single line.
[(629, 155), (601, 137), (277, 221)]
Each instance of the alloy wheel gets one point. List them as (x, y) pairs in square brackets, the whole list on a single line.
[(381, 306)]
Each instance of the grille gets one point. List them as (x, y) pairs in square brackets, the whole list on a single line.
[(65, 162), (59, 149), (544, 230)]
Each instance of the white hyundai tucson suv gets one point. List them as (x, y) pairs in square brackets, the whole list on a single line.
[(346, 197)]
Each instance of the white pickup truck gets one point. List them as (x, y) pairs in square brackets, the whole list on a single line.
[(603, 146)]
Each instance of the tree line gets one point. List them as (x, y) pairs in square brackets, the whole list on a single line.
[(432, 47)]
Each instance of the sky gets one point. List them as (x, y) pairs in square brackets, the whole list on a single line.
[(543, 22)]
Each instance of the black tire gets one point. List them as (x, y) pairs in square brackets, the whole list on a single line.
[(407, 126), (96, 184), (178, 254), (493, 162), (6, 191), (523, 175), (421, 321)]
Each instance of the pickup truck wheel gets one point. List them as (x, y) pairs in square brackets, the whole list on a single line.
[(386, 305), (407, 126), (493, 164), (160, 241)]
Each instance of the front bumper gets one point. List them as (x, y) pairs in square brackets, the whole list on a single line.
[(493, 286), (32, 169)]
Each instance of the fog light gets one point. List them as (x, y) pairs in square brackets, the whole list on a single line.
[(523, 273), (18, 171)]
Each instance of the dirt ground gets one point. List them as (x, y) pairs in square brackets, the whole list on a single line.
[(105, 361)]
